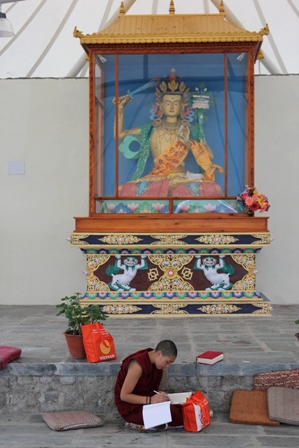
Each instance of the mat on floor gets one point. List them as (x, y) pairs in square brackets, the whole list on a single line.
[(283, 405), (250, 407), (62, 421)]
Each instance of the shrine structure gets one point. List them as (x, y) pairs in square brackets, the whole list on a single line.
[(171, 103)]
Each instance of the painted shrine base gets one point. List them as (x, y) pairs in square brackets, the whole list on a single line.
[(173, 274), (181, 305)]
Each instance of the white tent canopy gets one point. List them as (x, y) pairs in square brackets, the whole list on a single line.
[(43, 45)]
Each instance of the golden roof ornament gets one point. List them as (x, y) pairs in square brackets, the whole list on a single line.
[(221, 7), (171, 7), (122, 9)]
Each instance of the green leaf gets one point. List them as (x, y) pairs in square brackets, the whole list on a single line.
[(78, 315)]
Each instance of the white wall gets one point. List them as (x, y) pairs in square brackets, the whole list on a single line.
[(276, 170), (44, 122)]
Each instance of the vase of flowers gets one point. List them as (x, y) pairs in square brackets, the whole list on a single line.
[(253, 201)]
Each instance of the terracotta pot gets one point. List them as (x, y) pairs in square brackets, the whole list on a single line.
[(75, 345)]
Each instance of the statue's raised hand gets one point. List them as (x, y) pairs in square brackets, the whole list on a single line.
[(122, 100)]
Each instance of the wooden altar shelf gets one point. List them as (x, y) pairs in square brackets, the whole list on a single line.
[(179, 223)]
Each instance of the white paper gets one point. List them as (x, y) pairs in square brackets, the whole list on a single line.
[(156, 414)]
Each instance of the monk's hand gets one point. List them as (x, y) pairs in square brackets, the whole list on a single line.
[(159, 398)]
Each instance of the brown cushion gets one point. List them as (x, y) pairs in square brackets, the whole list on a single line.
[(283, 405), (62, 421), (250, 407), (282, 378)]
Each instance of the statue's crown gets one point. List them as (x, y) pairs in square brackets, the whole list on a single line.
[(172, 86)]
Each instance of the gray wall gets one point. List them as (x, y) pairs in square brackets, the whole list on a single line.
[(44, 122)]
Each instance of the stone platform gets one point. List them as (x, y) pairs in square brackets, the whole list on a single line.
[(46, 379)]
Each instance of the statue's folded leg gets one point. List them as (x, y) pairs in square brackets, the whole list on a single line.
[(157, 188), (197, 189)]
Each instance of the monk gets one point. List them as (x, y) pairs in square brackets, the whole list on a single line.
[(138, 379)]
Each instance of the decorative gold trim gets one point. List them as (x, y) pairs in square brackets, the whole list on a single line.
[(120, 239), (94, 285), (170, 38), (169, 308), (171, 264), (247, 261), (265, 308), (219, 308), (77, 237), (264, 239), (217, 239), (169, 239), (120, 309), (94, 261), (210, 309)]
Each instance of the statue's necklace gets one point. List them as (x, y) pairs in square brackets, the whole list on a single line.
[(171, 130)]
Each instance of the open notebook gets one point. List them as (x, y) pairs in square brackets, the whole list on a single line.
[(179, 398)]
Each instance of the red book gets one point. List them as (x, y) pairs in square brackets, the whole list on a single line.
[(209, 357)]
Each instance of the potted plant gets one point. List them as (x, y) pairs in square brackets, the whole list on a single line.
[(77, 315)]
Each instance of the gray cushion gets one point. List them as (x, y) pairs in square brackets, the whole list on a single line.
[(283, 405), (62, 421)]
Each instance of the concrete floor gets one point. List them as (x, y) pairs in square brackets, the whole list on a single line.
[(250, 344)]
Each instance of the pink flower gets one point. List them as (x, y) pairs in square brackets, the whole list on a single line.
[(209, 207), (110, 207), (183, 207), (158, 206), (133, 207)]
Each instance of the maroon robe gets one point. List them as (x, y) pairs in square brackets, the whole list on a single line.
[(148, 382)]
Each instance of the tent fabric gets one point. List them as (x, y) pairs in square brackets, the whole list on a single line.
[(44, 46)]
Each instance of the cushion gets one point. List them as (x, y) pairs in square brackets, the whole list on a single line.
[(283, 405), (250, 407), (282, 378), (8, 354), (62, 421)]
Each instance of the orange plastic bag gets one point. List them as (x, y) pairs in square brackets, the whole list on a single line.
[(98, 343), (196, 412)]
